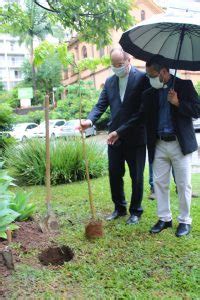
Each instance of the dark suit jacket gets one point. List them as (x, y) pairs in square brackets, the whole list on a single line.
[(189, 108), (122, 111)]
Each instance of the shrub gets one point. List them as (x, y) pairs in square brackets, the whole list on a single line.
[(7, 215), (27, 161), (20, 204), (5, 141), (5, 116)]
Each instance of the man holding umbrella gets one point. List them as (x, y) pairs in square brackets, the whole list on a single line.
[(168, 114)]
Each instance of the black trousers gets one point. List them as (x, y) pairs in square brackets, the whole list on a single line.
[(135, 157)]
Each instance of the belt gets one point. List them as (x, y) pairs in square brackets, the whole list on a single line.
[(167, 138)]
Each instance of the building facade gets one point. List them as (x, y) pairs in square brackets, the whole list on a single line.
[(12, 56), (143, 9)]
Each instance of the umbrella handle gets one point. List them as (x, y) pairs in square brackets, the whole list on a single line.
[(179, 47)]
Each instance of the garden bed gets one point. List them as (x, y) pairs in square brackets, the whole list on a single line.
[(27, 238)]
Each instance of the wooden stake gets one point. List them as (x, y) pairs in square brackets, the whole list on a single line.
[(48, 180), (9, 236)]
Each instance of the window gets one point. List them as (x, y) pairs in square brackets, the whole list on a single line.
[(31, 126), (59, 123), (101, 52), (143, 17), (17, 74), (13, 60), (2, 59), (16, 60), (12, 46), (84, 52)]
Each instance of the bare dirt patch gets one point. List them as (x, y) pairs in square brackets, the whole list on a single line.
[(27, 238), (56, 255)]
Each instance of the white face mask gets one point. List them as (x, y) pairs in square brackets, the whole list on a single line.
[(155, 83), (120, 72)]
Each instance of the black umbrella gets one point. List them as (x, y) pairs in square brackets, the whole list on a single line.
[(175, 37)]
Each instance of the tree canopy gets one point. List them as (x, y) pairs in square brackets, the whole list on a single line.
[(92, 20)]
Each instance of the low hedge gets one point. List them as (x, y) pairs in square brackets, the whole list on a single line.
[(26, 161)]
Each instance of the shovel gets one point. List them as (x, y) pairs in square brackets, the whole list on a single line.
[(49, 222), (94, 228)]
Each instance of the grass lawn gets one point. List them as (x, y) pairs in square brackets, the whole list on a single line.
[(127, 263)]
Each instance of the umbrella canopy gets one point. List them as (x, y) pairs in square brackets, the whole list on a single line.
[(175, 37)]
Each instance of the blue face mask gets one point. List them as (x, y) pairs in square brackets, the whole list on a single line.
[(120, 72)]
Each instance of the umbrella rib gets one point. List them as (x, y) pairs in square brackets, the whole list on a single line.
[(145, 33), (190, 37), (151, 39), (171, 33)]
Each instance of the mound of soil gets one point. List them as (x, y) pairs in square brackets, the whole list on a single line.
[(94, 229), (28, 237)]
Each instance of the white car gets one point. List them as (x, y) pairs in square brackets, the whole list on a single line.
[(196, 124), (54, 129), (23, 131), (70, 129)]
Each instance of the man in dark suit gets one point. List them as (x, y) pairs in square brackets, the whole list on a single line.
[(122, 92), (171, 139)]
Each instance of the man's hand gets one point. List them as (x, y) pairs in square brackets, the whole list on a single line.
[(84, 125), (112, 138), (172, 97)]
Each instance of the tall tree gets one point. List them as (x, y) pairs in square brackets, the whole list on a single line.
[(28, 23)]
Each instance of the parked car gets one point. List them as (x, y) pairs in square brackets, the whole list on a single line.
[(4, 134), (23, 131), (54, 129), (70, 129), (196, 124)]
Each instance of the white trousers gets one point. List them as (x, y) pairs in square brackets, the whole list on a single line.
[(169, 154)]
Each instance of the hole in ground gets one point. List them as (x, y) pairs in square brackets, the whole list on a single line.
[(56, 255)]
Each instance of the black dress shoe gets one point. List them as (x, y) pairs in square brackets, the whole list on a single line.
[(195, 195), (183, 229), (116, 214), (160, 225), (133, 220)]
